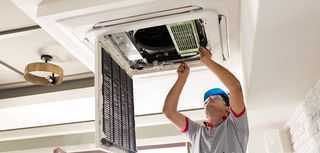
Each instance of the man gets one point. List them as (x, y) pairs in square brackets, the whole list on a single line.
[(226, 128)]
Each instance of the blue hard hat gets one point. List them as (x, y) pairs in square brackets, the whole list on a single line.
[(216, 91)]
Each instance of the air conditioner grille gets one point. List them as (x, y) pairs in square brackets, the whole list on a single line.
[(185, 37)]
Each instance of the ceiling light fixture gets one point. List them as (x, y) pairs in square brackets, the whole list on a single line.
[(33, 70)]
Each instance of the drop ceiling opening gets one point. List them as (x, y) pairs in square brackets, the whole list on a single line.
[(160, 45)]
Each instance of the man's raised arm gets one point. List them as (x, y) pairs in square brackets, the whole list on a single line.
[(172, 99), (227, 78)]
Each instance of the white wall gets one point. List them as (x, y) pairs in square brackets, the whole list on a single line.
[(302, 132), (304, 123), (258, 143)]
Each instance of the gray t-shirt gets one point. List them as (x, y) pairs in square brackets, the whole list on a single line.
[(228, 136)]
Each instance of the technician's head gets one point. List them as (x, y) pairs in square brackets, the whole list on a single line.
[(216, 103)]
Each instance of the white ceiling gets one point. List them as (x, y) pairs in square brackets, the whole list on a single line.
[(279, 51), (21, 47), (48, 113), (34, 44), (10, 76), (13, 17)]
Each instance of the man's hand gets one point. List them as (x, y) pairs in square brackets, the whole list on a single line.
[(205, 56), (58, 150), (183, 70)]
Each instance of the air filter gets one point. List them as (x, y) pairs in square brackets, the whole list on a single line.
[(185, 37)]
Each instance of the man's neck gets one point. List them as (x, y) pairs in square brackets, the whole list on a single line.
[(217, 118)]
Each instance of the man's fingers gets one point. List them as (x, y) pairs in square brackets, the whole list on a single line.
[(183, 63), (183, 67), (186, 66), (204, 50), (180, 67), (200, 51)]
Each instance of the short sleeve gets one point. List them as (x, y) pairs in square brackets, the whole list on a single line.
[(241, 124), (240, 119), (191, 129)]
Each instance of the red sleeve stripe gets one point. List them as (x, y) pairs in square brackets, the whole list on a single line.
[(240, 114), (186, 127)]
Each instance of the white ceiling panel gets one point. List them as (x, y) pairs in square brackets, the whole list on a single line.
[(47, 114), (8, 76), (13, 17), (20, 50)]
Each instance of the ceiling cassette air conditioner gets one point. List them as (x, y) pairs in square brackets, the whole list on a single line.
[(160, 40)]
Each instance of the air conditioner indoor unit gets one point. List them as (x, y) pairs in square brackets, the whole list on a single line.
[(160, 40), (156, 39)]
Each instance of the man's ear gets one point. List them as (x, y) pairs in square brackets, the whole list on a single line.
[(228, 109)]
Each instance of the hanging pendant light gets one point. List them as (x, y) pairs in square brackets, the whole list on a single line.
[(54, 78)]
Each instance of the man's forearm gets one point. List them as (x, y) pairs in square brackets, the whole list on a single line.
[(225, 76), (172, 99)]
